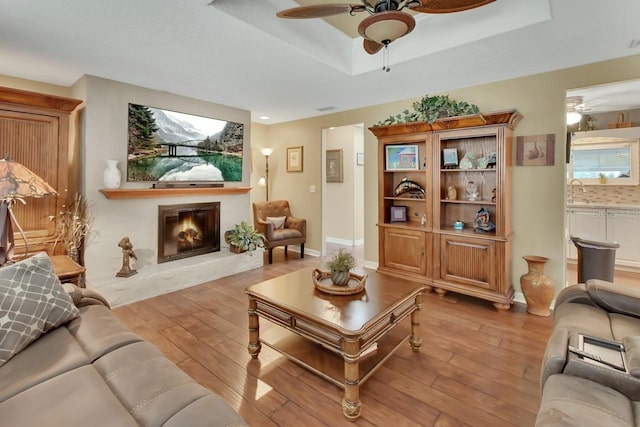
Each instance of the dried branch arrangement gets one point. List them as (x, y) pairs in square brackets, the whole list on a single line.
[(74, 222)]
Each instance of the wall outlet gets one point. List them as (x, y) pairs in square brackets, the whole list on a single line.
[(312, 189)]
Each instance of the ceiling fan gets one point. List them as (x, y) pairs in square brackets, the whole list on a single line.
[(386, 21)]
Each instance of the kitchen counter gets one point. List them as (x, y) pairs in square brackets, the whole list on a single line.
[(600, 206)]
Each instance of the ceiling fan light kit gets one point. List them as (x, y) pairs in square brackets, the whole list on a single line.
[(386, 22), (385, 27)]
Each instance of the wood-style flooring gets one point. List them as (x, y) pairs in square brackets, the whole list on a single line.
[(476, 367)]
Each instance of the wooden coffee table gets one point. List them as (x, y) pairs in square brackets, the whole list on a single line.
[(328, 334)]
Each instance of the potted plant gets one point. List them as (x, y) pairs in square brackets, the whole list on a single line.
[(243, 238), (340, 264), (431, 108)]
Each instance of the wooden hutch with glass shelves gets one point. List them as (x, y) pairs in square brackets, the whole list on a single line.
[(423, 202)]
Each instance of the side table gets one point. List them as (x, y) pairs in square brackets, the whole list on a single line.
[(68, 271)]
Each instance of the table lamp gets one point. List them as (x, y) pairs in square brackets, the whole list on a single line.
[(16, 183)]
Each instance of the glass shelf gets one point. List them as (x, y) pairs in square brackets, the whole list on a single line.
[(469, 170), (406, 199), (469, 202)]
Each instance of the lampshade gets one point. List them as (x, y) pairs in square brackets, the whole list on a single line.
[(18, 182), (385, 27), (267, 151)]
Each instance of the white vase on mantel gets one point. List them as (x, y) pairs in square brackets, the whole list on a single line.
[(112, 175)]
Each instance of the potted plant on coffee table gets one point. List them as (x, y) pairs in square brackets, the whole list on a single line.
[(243, 238), (340, 265)]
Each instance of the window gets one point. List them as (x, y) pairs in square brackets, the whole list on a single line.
[(604, 163)]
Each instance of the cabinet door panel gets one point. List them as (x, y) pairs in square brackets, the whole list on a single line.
[(622, 227), (32, 139), (468, 261), (405, 250)]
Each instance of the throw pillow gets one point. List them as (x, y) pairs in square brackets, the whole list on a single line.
[(32, 302), (277, 221)]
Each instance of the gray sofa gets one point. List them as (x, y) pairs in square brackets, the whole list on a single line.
[(93, 370), (574, 390)]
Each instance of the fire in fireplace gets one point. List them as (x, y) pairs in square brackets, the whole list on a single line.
[(188, 230)]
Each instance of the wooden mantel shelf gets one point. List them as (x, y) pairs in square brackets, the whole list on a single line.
[(149, 193)]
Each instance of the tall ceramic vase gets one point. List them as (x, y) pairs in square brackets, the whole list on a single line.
[(536, 287), (112, 175)]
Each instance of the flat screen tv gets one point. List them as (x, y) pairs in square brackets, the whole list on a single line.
[(167, 146)]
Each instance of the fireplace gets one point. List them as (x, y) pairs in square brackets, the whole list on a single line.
[(188, 230)]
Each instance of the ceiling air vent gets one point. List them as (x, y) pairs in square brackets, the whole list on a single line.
[(323, 109)]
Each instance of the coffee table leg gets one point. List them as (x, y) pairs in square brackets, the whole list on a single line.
[(415, 341), (351, 406), (254, 330)]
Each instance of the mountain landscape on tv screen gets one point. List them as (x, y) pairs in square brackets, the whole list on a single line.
[(168, 146)]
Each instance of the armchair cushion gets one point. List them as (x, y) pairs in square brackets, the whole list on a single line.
[(278, 222)]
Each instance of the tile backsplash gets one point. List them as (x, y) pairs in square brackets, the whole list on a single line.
[(607, 194)]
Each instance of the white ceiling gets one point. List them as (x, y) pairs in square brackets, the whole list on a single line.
[(237, 53)]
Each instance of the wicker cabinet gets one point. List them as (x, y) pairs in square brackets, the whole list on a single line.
[(439, 237)]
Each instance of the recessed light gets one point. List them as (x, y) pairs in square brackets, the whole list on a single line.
[(264, 117)]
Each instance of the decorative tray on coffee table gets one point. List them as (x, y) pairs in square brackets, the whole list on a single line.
[(322, 281)]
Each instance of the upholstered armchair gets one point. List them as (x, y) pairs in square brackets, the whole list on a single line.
[(273, 219)]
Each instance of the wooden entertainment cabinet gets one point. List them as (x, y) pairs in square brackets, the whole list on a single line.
[(421, 244)]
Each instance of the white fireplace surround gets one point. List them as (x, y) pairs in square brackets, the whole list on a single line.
[(103, 135)]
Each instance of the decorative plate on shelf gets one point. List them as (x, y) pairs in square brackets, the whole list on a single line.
[(322, 281)]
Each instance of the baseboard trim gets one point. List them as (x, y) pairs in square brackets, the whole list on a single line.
[(344, 242)]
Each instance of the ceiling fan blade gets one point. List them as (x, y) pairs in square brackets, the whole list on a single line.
[(319, 10), (449, 6), (372, 47)]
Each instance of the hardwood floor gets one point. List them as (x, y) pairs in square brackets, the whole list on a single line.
[(476, 367)]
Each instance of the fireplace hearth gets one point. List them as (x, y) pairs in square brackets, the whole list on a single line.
[(188, 230)]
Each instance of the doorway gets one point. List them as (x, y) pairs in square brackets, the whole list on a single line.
[(343, 190), (601, 202)]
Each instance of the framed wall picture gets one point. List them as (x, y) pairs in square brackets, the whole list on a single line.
[(535, 150), (334, 165), (294, 159), (359, 159), (450, 158), (398, 214), (401, 157)]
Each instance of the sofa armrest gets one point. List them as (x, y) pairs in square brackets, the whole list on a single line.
[(299, 224), (616, 298), (85, 296), (555, 355)]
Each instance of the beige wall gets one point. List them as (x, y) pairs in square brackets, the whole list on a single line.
[(340, 197), (538, 199)]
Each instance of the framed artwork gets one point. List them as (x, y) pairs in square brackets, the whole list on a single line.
[(398, 214), (535, 150), (450, 157), (360, 159), (294, 159), (401, 157), (334, 165)]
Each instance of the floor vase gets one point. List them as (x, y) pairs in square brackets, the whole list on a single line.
[(537, 288)]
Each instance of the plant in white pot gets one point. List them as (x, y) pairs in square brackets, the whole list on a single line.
[(243, 238), (340, 265)]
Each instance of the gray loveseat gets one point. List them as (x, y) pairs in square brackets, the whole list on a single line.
[(575, 390), (88, 371)]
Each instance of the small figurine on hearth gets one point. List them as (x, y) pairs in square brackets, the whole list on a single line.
[(127, 254)]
